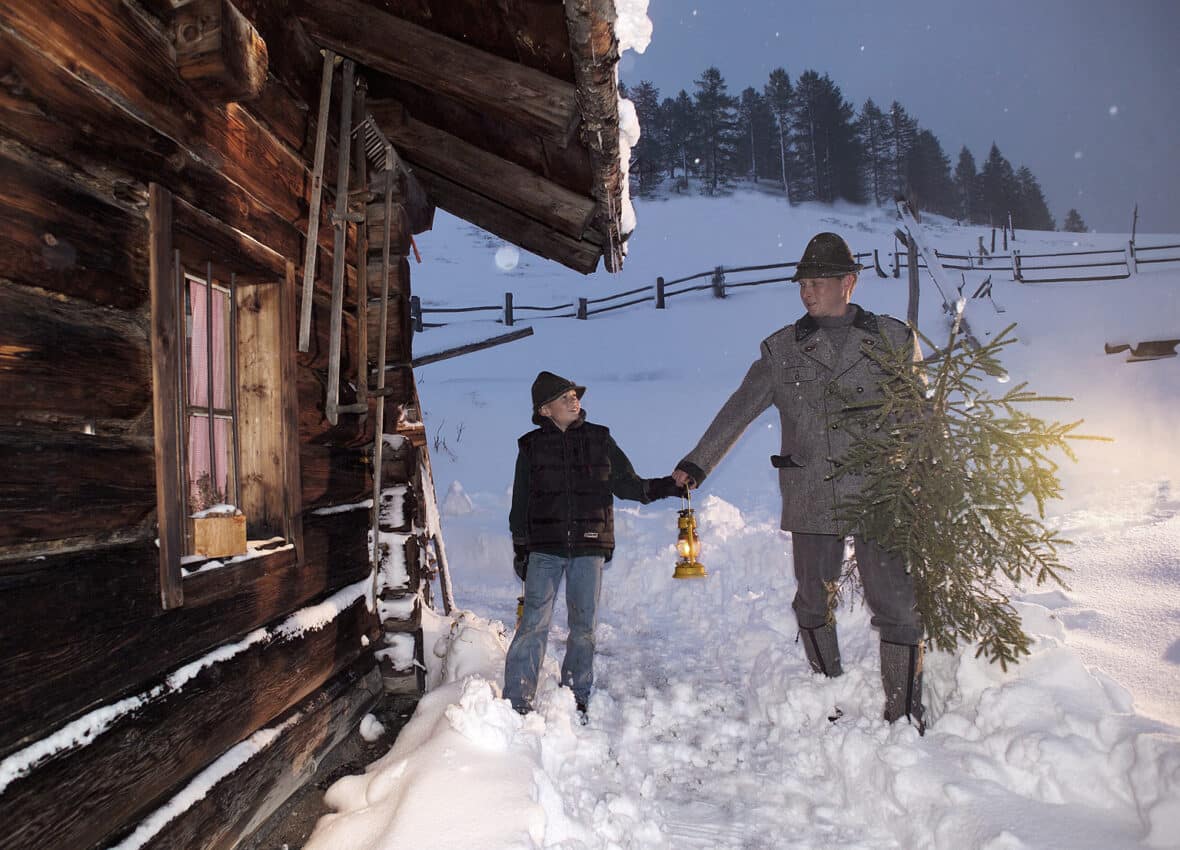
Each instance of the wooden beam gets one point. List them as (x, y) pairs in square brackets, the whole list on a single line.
[(88, 625), (175, 735), (241, 801), (55, 113), (66, 359), (218, 51), (58, 238), (471, 347), (168, 339), (501, 88), (508, 224), (126, 62), (62, 484), (505, 182), (595, 51)]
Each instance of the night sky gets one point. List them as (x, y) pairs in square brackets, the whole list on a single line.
[(1086, 93)]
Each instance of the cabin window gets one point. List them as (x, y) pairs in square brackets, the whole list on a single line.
[(226, 420)]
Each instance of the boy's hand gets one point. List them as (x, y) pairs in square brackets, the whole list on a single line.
[(520, 561), (683, 479), (664, 488)]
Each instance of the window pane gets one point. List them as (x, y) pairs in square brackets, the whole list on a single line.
[(199, 356), (206, 488)]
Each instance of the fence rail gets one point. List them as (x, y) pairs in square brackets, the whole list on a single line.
[(1015, 263)]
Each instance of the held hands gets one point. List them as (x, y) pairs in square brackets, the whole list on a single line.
[(665, 488), (520, 561), (683, 479)]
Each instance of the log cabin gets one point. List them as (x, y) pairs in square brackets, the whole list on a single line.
[(216, 524)]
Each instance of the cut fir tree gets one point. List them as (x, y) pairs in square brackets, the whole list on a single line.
[(956, 480)]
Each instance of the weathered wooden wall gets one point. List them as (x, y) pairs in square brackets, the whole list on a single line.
[(93, 111)]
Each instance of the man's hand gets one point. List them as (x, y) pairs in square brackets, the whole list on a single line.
[(520, 561), (683, 479)]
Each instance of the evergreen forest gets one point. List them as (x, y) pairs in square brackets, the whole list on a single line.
[(803, 137)]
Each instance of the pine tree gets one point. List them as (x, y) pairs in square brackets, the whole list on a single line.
[(755, 126), (830, 153), (1074, 222), (953, 474), (967, 187), (1031, 212), (998, 189), (780, 97), (902, 130), (648, 155), (680, 121), (714, 110), (929, 173), (873, 129)]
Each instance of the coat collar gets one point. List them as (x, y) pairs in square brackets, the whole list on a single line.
[(546, 424), (863, 319)]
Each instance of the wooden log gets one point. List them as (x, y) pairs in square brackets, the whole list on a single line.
[(334, 476), (503, 181), (174, 736), (313, 429), (240, 802), (503, 89), (63, 484), (65, 358), (595, 53), (56, 237), (515, 227), (203, 238), (89, 625), (107, 41), (460, 350), (218, 51), (52, 112)]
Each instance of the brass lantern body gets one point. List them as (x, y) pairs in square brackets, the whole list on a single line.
[(688, 546)]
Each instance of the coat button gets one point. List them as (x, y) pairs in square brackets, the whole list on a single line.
[(810, 347), (860, 389), (835, 427)]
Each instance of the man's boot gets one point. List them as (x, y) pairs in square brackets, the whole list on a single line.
[(901, 675), (823, 649)]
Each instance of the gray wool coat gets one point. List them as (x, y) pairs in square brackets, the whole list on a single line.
[(802, 373)]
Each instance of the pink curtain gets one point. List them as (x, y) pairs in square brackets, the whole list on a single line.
[(198, 456)]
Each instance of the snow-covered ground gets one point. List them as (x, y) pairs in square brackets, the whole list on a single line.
[(707, 727)]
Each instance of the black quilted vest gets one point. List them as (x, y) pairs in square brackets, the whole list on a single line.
[(570, 503)]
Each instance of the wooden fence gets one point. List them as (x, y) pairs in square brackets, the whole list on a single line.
[(1119, 263), (719, 280), (1108, 264)]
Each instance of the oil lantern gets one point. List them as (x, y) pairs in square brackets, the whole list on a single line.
[(688, 544)]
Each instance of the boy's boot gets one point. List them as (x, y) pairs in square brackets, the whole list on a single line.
[(823, 649), (901, 675)]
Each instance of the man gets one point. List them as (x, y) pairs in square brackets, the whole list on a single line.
[(808, 370)]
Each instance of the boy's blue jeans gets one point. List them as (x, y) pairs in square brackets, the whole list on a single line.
[(583, 585)]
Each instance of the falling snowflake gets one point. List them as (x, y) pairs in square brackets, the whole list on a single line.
[(1114, 110), (1077, 154), (507, 257)]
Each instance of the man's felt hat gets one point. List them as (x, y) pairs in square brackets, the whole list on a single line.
[(826, 255)]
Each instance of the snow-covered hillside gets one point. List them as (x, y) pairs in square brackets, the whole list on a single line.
[(707, 727)]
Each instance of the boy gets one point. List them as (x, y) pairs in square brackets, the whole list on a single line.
[(568, 472)]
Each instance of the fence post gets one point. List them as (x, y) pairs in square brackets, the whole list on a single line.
[(1132, 263), (416, 312), (1017, 275), (912, 265), (896, 262), (993, 240), (1011, 226), (719, 282), (582, 312), (877, 264), (508, 308), (659, 293), (1005, 237)]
